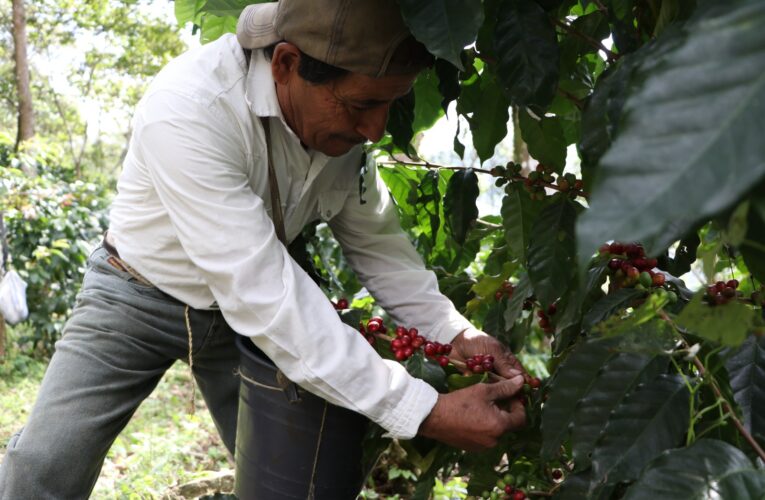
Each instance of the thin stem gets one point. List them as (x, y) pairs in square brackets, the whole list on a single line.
[(600, 6), (432, 166), (691, 437), (717, 423), (718, 394), (488, 224), (709, 408), (739, 426), (516, 178), (611, 55), (571, 97)]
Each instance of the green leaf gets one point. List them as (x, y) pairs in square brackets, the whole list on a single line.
[(445, 27), (457, 288), (736, 230), (618, 377), (521, 292), (448, 82), (213, 27), (519, 212), (673, 148), (489, 107), (231, 8), (746, 371), (571, 383), (459, 203), (727, 324), (528, 67), (572, 47), (545, 140), (576, 486), (685, 255), (600, 120), (427, 207), (552, 250), (581, 300), (610, 304), (351, 317), (457, 381), (187, 10), (647, 422), (741, 484), (427, 101), (641, 332), (699, 471), (420, 367), (753, 246), (400, 120)]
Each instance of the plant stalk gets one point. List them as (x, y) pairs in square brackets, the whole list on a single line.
[(611, 55), (716, 389)]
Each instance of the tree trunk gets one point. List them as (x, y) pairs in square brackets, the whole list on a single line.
[(2, 339), (26, 123), (520, 151)]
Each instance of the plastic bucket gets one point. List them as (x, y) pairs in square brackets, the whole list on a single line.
[(303, 450)]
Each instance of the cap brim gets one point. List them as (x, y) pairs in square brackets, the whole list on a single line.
[(255, 28)]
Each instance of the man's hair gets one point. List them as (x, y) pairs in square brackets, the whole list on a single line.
[(312, 70), (410, 51)]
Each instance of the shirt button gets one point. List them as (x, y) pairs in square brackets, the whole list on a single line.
[(328, 213)]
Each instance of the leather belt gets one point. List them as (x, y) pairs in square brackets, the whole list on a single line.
[(116, 261)]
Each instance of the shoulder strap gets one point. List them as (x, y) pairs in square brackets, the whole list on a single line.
[(276, 205)]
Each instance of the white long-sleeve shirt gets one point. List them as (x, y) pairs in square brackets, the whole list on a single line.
[(192, 215)]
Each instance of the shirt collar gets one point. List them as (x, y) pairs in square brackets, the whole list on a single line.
[(260, 90), (260, 94)]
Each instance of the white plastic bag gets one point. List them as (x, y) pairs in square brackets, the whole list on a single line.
[(13, 298)]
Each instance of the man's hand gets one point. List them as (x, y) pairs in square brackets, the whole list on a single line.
[(470, 418), (472, 342)]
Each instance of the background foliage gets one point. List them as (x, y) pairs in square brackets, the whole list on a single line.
[(52, 221)]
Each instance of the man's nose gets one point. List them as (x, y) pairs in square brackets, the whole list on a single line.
[(372, 122)]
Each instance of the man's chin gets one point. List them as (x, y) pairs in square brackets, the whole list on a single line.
[(339, 148)]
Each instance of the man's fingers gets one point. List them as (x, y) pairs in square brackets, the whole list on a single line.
[(504, 389), (507, 365), (516, 417)]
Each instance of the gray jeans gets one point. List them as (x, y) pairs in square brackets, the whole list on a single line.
[(120, 340)]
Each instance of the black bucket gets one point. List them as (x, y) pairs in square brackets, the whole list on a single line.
[(282, 452)]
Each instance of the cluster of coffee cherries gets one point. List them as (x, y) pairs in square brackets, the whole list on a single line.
[(540, 178), (506, 290), (505, 489), (544, 318), (721, 292), (480, 363), (437, 351), (407, 341), (629, 266), (373, 326), (530, 384)]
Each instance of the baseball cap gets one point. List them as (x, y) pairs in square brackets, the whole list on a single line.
[(360, 36)]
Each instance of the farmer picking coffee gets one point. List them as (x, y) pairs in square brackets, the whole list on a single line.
[(234, 143)]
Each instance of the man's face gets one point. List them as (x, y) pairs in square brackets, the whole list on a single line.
[(336, 116)]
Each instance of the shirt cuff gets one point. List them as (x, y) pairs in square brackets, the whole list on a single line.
[(452, 325), (404, 419)]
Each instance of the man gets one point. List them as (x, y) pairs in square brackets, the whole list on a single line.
[(192, 258)]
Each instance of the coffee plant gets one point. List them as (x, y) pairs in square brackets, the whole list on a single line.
[(633, 269), (52, 222)]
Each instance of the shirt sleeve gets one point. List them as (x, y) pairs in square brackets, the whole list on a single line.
[(388, 265), (197, 166)]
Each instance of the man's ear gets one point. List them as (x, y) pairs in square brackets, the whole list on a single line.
[(285, 61)]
